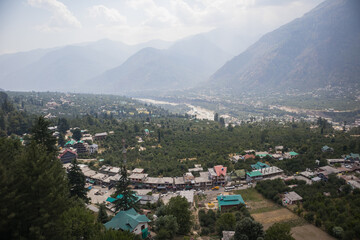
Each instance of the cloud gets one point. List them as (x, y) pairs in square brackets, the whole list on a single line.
[(61, 16), (110, 14)]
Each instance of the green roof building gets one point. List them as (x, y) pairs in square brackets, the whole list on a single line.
[(237, 175), (293, 154), (229, 201), (131, 221), (253, 175), (259, 165)]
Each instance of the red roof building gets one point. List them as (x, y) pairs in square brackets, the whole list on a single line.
[(249, 156), (67, 156)]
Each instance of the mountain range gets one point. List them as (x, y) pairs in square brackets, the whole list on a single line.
[(321, 48)]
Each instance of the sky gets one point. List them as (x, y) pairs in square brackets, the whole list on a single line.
[(32, 24)]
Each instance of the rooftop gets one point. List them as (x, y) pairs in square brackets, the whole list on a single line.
[(220, 170), (293, 196), (229, 200), (254, 174), (126, 220)]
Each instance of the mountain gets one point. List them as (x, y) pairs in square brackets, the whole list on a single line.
[(319, 49), (183, 65), (65, 68)]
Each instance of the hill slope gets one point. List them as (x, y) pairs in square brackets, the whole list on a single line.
[(183, 65), (321, 48)]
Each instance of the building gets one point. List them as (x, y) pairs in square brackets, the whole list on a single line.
[(353, 157), (138, 177), (112, 171), (327, 149), (131, 221), (291, 198), (229, 201), (179, 182), (188, 195), (138, 170), (249, 156), (227, 235), (203, 181), (144, 199), (81, 147), (67, 156), (279, 149), (334, 161), (100, 136), (259, 165), (93, 148), (271, 172), (253, 176), (220, 177), (237, 175)]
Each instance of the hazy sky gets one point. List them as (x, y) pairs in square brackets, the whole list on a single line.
[(30, 24)]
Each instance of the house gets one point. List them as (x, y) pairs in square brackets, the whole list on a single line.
[(253, 176), (69, 143), (270, 171), (262, 154), (100, 136), (203, 181), (81, 147), (334, 161), (279, 149), (327, 149), (148, 199), (291, 198), (131, 221), (227, 235), (93, 148), (220, 171), (353, 157), (67, 156), (235, 158), (179, 182), (293, 154), (237, 175), (138, 170), (249, 156), (325, 171), (109, 170), (189, 196), (229, 201), (259, 165), (138, 177)]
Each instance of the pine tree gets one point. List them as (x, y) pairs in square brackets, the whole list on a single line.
[(41, 194), (77, 134), (127, 197), (77, 182), (102, 215), (42, 135)]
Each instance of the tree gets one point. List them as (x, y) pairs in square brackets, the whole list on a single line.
[(102, 215), (226, 222), (216, 117), (222, 121), (77, 134), (39, 194), (42, 135), (179, 208), (61, 140), (167, 226), (77, 182), (63, 125), (247, 227), (125, 198), (279, 231), (78, 223)]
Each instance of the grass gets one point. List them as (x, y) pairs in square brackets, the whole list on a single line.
[(250, 194), (264, 209)]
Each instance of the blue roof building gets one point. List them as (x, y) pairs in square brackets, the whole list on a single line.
[(131, 221), (229, 201)]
